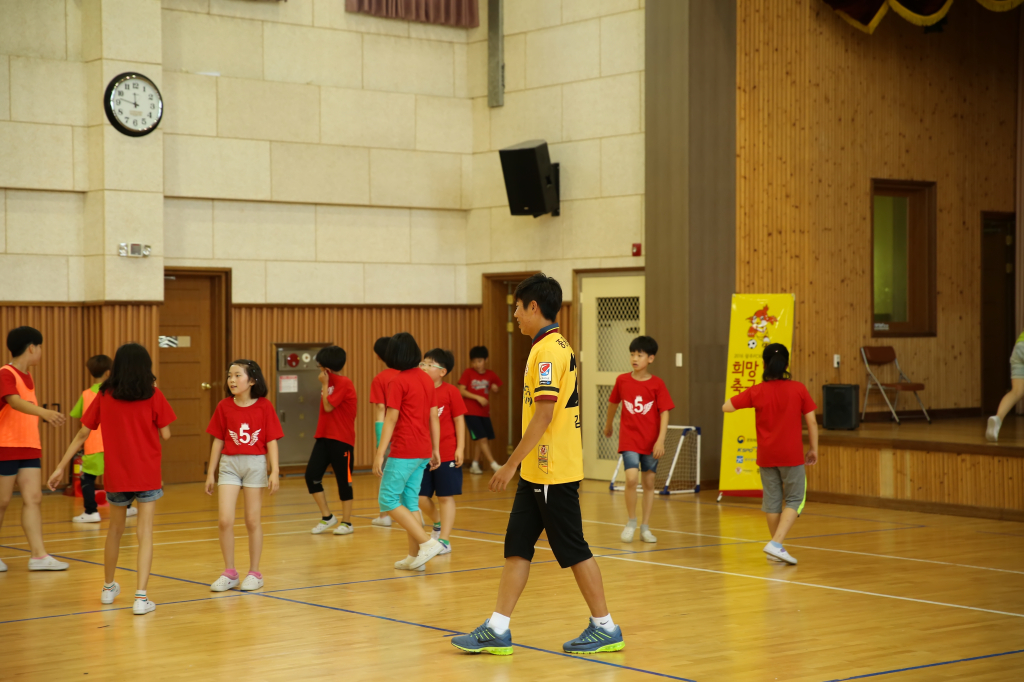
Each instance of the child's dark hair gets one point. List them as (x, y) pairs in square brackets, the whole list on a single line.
[(18, 340), (98, 365), (331, 357), (776, 360), (443, 357), (546, 291), (252, 370), (643, 344), (380, 347), (403, 353), (478, 352), (131, 377)]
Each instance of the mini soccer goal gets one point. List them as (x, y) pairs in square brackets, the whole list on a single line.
[(679, 467)]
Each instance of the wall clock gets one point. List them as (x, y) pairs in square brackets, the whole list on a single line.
[(133, 104)]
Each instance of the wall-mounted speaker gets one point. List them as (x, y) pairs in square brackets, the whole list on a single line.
[(840, 406), (531, 180)]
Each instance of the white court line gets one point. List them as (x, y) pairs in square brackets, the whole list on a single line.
[(169, 530)]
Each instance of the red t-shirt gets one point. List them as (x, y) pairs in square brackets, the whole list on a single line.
[(131, 439), (340, 423), (244, 430), (478, 384), (412, 394), (449, 406), (642, 405), (379, 386), (9, 387), (779, 407)]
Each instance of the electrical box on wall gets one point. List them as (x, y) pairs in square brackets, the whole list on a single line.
[(132, 250)]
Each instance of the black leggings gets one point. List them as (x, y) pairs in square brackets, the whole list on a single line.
[(337, 455), (89, 493)]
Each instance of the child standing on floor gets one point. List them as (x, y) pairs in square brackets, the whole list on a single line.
[(642, 428), (378, 400), (335, 440), (21, 448), (92, 458), (476, 385), (245, 430), (446, 480), (411, 425), (134, 415), (779, 403)]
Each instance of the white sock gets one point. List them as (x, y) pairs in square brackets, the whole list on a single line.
[(631, 523), (140, 594), (604, 622), (424, 544), (499, 623), (108, 586)]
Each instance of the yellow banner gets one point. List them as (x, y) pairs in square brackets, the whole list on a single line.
[(757, 320)]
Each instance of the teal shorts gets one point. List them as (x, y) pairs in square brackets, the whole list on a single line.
[(400, 485)]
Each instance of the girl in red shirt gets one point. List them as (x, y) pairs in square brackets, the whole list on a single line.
[(134, 415), (245, 430), (779, 403)]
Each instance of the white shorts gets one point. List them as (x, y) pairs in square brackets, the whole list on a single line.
[(247, 471)]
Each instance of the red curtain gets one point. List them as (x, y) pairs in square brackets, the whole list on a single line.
[(866, 14), (460, 13)]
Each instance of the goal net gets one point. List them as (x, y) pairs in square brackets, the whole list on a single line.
[(679, 467)]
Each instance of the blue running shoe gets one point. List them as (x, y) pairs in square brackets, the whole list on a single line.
[(483, 640), (595, 641)]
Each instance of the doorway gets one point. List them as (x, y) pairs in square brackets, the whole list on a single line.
[(998, 306), (194, 330), (611, 315)]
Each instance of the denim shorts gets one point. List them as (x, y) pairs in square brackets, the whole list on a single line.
[(125, 499), (400, 484), (634, 460)]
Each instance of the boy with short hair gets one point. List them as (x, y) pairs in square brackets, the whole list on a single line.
[(378, 400), (475, 385), (446, 480), (642, 428), (548, 495), (20, 446)]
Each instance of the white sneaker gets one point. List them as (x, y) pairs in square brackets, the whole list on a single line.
[(447, 548), (344, 529), (495, 467), (773, 560), (87, 518), (627, 534), (132, 511), (47, 563), (107, 596), (251, 583), (382, 521), (992, 432), (647, 536), (143, 606), (322, 525), (406, 564), (428, 550), (475, 468), (223, 583), (435, 534), (780, 553), (3, 566)]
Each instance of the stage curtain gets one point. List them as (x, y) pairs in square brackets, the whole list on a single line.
[(458, 13), (866, 14)]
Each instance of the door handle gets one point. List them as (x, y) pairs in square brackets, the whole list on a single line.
[(205, 386), (282, 417)]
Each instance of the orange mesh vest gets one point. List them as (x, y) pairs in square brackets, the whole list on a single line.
[(17, 429), (94, 443)]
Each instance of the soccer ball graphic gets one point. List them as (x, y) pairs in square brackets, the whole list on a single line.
[(752, 344)]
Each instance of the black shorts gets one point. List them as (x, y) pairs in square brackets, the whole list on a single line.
[(10, 467), (479, 427), (556, 510), (336, 454), (444, 481)]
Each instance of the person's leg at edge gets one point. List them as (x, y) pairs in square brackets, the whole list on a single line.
[(427, 507), (227, 497), (411, 523), (513, 581), (89, 493), (630, 493), (773, 523), (343, 472), (253, 498), (30, 485), (6, 493), (485, 448), (588, 577), (648, 482), (315, 470), (447, 514), (118, 516), (144, 534), (783, 523), (1011, 399)]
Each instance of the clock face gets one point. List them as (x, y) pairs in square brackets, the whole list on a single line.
[(133, 104)]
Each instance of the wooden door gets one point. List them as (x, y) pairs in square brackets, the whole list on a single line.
[(998, 306)]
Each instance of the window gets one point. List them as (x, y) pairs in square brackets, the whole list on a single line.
[(903, 258)]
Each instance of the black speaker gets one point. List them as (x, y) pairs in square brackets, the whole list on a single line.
[(531, 180), (841, 406)]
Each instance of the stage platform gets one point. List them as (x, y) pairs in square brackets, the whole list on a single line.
[(944, 467)]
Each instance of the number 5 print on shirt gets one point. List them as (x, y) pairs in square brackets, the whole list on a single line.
[(243, 437), (638, 406)]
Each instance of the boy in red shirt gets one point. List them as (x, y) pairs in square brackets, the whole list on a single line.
[(642, 428), (378, 400), (335, 440), (476, 384), (446, 481), (779, 404)]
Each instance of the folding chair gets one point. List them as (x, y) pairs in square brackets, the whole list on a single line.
[(878, 356)]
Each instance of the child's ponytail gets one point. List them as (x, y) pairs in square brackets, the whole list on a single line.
[(776, 362)]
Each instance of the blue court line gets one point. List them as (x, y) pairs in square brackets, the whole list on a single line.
[(929, 665), (118, 608)]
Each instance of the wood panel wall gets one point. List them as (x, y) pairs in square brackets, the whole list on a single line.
[(821, 110)]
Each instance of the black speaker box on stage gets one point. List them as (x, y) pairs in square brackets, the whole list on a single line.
[(840, 406), (531, 180)]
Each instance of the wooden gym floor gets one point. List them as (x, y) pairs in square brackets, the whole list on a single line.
[(895, 595)]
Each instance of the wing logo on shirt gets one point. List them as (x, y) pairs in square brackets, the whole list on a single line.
[(638, 406), (440, 411), (330, 390), (243, 437)]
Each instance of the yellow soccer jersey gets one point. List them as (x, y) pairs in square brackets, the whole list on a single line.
[(551, 375)]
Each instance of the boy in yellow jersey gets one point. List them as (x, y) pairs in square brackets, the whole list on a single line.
[(548, 495)]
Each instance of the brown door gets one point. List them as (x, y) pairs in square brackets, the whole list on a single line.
[(998, 306)]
